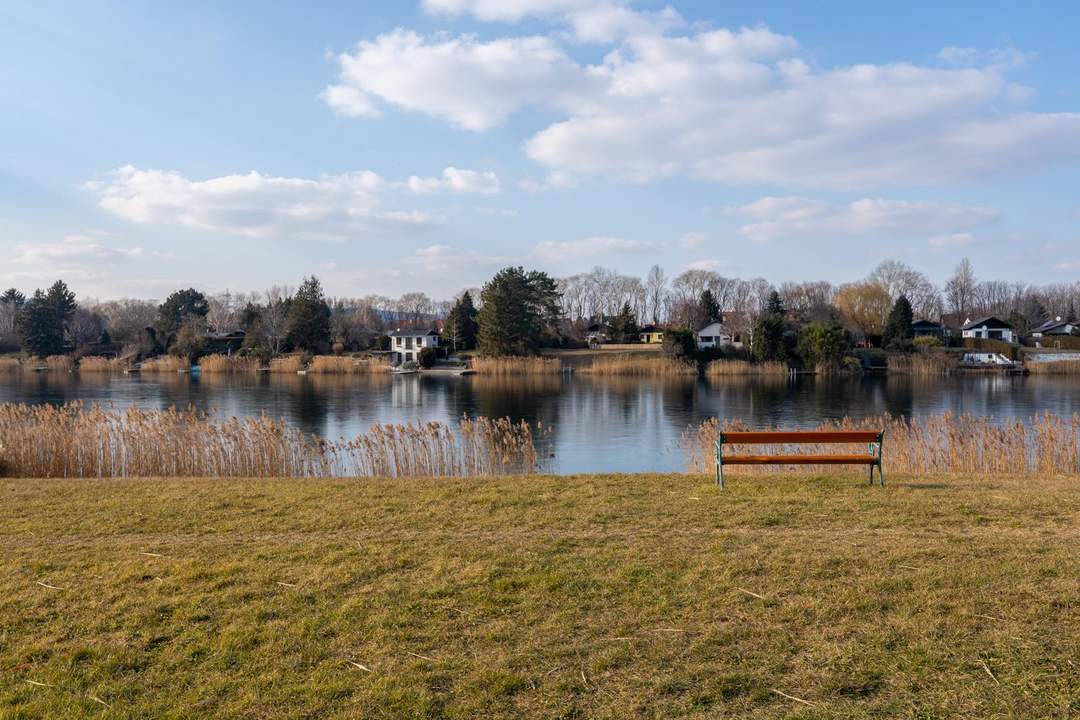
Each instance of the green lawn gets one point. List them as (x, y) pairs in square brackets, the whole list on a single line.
[(610, 597)]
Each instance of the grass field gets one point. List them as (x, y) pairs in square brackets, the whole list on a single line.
[(540, 597)]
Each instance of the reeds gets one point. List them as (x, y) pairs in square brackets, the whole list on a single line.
[(1054, 367), (165, 364), (517, 366), (929, 364), (939, 444), (79, 441), (640, 367), (718, 368), (9, 364), (345, 365), (287, 364), (60, 363), (96, 364), (228, 364)]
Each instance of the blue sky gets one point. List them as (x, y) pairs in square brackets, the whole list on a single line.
[(389, 147)]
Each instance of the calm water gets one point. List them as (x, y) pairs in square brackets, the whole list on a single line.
[(597, 424)]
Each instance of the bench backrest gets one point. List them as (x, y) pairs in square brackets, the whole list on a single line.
[(764, 437)]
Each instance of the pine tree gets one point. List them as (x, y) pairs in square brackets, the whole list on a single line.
[(461, 326), (768, 340), (42, 320), (709, 308), (178, 308), (624, 327), (309, 317), (520, 312), (898, 326)]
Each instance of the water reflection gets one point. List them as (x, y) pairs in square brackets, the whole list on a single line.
[(599, 423)]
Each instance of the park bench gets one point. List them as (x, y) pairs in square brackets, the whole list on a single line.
[(872, 438)]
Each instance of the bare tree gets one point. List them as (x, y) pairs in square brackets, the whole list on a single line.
[(656, 292), (127, 318), (274, 317), (960, 289)]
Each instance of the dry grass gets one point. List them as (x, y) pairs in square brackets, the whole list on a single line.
[(288, 364), (60, 363), (345, 365), (928, 364), (639, 366), (78, 441), (9, 364), (718, 368), (612, 597), (516, 365), (941, 444), (165, 364), (228, 364), (1054, 367), (95, 364)]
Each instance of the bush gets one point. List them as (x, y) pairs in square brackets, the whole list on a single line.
[(426, 357), (679, 344), (925, 342), (382, 342)]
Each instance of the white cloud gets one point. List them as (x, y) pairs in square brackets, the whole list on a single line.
[(717, 266), (335, 207), (773, 218), (456, 180), (590, 20), (590, 247), (75, 250), (693, 240), (442, 260), (473, 84), (1068, 266), (737, 107), (951, 241)]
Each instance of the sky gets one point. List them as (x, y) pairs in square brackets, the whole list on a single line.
[(396, 147)]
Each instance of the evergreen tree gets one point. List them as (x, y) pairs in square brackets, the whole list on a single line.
[(709, 308), (42, 320), (823, 343), (461, 325), (768, 340), (624, 327), (13, 297), (898, 326), (309, 317), (178, 308), (520, 312)]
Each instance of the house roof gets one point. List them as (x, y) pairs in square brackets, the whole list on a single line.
[(720, 325), (989, 321), (1051, 325), (412, 333), (926, 324), (652, 329), (599, 327)]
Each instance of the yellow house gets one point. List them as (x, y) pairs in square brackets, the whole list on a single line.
[(651, 335)]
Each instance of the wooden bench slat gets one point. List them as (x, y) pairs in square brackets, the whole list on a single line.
[(800, 460), (800, 436)]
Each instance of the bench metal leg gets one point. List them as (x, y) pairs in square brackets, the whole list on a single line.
[(719, 467)]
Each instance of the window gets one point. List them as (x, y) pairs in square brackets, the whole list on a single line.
[(408, 357)]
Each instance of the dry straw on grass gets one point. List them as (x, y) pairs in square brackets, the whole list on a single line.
[(287, 364), (924, 364), (227, 364), (640, 366), (1047, 444), (1054, 367), (165, 364), (718, 368), (345, 365), (95, 364), (517, 366), (78, 441)]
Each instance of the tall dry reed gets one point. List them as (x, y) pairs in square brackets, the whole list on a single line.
[(1047, 444), (165, 364), (929, 364), (288, 364), (227, 364), (1054, 367), (639, 367), (9, 364), (96, 364), (79, 441), (517, 366), (60, 363), (718, 368), (345, 365)]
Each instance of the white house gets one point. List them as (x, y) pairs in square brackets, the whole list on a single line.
[(407, 344), (989, 328), (714, 335)]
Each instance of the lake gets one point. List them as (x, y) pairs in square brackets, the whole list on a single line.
[(597, 424)]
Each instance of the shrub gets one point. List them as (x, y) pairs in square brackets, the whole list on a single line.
[(426, 357), (679, 344), (925, 342)]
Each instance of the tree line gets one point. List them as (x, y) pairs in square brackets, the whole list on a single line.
[(520, 311)]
